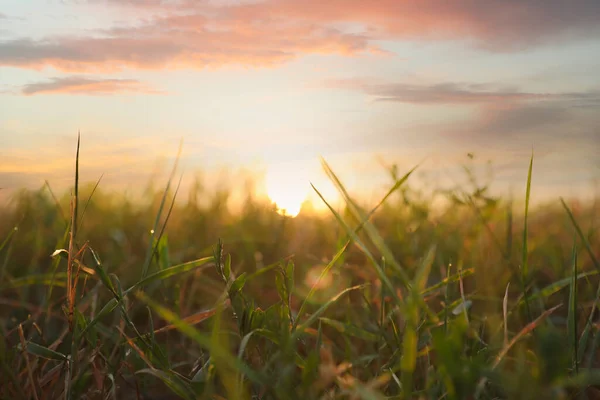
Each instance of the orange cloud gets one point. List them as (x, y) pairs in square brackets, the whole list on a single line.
[(181, 42), (86, 86), (194, 34)]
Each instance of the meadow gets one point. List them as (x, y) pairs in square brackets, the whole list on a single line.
[(104, 297)]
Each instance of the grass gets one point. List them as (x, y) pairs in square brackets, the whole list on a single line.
[(167, 299)]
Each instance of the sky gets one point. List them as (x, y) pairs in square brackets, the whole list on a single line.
[(269, 86)]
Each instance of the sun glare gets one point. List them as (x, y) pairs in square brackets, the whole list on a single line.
[(287, 188)]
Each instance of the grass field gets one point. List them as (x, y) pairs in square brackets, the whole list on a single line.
[(105, 298)]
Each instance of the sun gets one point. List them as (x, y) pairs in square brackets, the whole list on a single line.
[(287, 187)]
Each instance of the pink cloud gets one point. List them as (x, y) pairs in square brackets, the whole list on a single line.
[(192, 34)]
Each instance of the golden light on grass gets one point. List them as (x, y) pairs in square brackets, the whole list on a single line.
[(287, 187), (312, 278)]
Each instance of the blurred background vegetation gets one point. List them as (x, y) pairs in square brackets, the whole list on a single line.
[(473, 232)]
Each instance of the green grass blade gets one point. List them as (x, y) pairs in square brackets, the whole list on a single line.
[(107, 309), (350, 330), (159, 240), (171, 271), (43, 280), (555, 287), (150, 249), (422, 274), (408, 361), (447, 296), (55, 266), (7, 241), (448, 280), (509, 230), (44, 352), (525, 250), (410, 309), (313, 288), (380, 273), (8, 237), (582, 237), (369, 228), (572, 312), (314, 317), (56, 202), (102, 274), (344, 247), (266, 269), (585, 335), (527, 329), (87, 203), (382, 276), (202, 340), (171, 381), (588, 326)]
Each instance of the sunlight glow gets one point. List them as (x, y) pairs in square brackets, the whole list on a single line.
[(287, 187)]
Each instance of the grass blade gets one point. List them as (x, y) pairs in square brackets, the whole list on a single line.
[(525, 250), (314, 317), (572, 312), (44, 352), (27, 363), (8, 237), (30, 280), (344, 247), (528, 328), (202, 340), (448, 280), (369, 228), (584, 240), (169, 380), (505, 314), (171, 271), (87, 203), (410, 338), (76, 194), (556, 287), (313, 288), (349, 329), (382, 276), (151, 249), (191, 320)]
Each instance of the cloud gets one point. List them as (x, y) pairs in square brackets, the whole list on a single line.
[(496, 118), (494, 24), (453, 93), (86, 86), (515, 120), (191, 41), (10, 17), (192, 34), (437, 93), (550, 127)]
